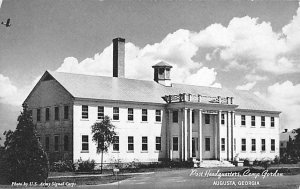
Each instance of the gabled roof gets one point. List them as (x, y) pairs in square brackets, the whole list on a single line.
[(162, 64), (133, 90)]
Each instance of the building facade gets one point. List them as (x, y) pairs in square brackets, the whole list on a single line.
[(155, 120)]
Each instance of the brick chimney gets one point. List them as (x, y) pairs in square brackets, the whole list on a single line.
[(119, 57)]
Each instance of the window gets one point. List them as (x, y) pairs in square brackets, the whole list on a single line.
[(234, 144), (144, 143), (66, 143), (175, 143), (116, 143), (85, 112), (47, 114), (85, 143), (243, 120), (252, 121), (175, 116), (222, 119), (263, 145), (100, 112), (263, 121), (272, 145), (207, 119), (253, 145), (66, 112), (115, 113), (38, 115), (130, 114), (56, 113), (130, 143), (30, 112), (56, 143), (272, 122), (47, 143), (207, 144), (158, 143), (144, 115), (158, 115), (193, 117), (223, 144), (243, 145)]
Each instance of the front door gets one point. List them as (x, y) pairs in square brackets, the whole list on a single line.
[(193, 147)]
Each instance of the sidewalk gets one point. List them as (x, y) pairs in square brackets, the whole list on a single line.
[(99, 175)]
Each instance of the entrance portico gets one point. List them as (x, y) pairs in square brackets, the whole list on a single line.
[(203, 129)]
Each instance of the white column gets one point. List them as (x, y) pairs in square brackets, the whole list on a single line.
[(232, 124), (215, 131), (228, 146), (168, 134), (190, 134), (200, 135), (180, 137), (218, 135), (185, 133)]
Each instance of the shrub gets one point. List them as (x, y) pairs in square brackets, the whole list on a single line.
[(175, 164), (256, 162), (62, 166), (246, 162), (86, 166), (265, 164), (276, 160)]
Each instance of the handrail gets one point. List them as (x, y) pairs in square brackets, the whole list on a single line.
[(186, 97)]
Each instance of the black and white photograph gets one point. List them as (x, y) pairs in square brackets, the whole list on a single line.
[(164, 94)]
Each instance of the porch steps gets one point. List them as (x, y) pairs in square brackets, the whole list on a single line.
[(213, 163)]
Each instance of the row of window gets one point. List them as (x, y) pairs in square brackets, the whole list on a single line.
[(130, 143), (116, 113), (56, 113), (223, 146), (262, 121), (253, 145), (57, 143)]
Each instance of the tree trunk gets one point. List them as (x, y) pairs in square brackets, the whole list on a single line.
[(101, 161)]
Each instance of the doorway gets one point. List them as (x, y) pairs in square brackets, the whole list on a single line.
[(193, 147)]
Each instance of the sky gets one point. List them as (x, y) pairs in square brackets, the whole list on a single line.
[(246, 45)]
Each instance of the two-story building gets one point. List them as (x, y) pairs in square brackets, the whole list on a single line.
[(155, 120)]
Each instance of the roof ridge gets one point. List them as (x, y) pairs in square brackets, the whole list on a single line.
[(100, 76), (135, 79)]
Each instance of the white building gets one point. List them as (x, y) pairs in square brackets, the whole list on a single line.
[(155, 120)]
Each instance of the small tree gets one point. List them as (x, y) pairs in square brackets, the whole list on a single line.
[(296, 144), (103, 136), (25, 157)]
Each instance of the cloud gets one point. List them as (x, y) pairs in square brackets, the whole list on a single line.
[(0, 3), (7, 89), (11, 94), (285, 97), (292, 32), (176, 48), (203, 77), (247, 86), (244, 44), (254, 77)]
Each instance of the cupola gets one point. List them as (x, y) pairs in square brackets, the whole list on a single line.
[(162, 73)]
